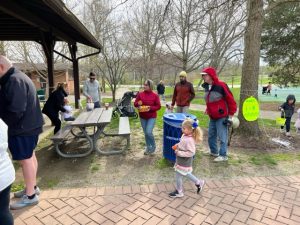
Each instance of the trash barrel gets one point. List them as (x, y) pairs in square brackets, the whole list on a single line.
[(172, 132)]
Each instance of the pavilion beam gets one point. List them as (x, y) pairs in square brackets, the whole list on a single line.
[(73, 50), (48, 44)]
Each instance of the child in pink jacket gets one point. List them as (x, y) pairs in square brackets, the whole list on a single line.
[(185, 150)]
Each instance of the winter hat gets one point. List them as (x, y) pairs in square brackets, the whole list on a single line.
[(183, 74)]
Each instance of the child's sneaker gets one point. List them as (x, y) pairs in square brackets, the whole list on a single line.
[(200, 186), (288, 134), (176, 194), (282, 131)]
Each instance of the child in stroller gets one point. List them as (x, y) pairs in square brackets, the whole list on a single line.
[(124, 107)]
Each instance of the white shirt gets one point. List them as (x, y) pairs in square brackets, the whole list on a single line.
[(7, 171), (68, 114)]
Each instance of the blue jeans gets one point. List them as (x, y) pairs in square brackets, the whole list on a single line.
[(218, 130), (148, 125)]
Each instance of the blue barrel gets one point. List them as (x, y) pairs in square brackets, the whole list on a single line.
[(172, 132)]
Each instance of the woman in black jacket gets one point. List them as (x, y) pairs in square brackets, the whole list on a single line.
[(54, 104)]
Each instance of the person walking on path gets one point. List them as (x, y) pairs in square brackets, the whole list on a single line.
[(54, 104), (183, 94), (20, 110), (91, 90), (7, 174), (185, 150), (287, 111), (161, 90), (148, 104), (220, 107)]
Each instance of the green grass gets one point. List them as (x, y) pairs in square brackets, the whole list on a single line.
[(52, 183), (17, 187), (263, 159), (94, 167), (163, 163)]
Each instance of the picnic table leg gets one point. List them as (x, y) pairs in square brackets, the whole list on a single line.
[(110, 152), (76, 155)]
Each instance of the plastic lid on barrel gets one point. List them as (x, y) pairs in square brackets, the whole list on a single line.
[(178, 116)]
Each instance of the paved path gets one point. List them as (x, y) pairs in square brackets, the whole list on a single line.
[(253, 201)]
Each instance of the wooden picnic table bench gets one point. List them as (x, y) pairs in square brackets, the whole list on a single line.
[(98, 119)]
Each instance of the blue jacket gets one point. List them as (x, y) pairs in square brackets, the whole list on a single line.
[(19, 104)]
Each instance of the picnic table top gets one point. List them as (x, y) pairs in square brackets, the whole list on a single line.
[(95, 117)]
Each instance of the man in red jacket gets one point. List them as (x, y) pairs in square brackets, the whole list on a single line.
[(183, 94), (220, 107)]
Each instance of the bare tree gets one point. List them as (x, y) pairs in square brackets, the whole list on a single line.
[(146, 30), (115, 58), (188, 38), (226, 26), (250, 69), (109, 30)]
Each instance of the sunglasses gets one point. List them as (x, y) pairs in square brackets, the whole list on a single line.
[(91, 78)]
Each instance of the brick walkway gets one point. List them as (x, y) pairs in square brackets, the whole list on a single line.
[(261, 200)]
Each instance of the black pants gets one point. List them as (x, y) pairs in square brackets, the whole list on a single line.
[(56, 122), (5, 215), (287, 124)]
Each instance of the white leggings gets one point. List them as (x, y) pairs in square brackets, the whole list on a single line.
[(179, 177)]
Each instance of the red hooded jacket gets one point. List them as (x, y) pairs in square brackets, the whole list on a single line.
[(219, 99)]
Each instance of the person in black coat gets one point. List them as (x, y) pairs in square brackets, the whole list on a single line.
[(54, 104), (161, 90)]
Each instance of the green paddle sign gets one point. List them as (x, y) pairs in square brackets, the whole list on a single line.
[(250, 109)]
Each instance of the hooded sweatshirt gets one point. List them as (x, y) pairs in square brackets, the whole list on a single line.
[(219, 99), (289, 108)]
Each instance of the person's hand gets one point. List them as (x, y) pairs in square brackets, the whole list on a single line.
[(174, 147), (147, 108), (140, 103), (172, 107), (282, 110)]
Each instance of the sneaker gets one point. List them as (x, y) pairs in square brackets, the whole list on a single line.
[(221, 159), (288, 134), (176, 194), (20, 194), (282, 131), (24, 202), (210, 154), (200, 186)]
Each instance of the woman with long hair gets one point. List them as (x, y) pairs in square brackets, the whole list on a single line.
[(54, 104)]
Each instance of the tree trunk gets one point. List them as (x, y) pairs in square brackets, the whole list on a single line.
[(113, 92), (250, 69)]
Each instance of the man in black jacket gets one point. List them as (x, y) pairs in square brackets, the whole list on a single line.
[(20, 110), (161, 90)]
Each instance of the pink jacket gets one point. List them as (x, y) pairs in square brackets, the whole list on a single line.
[(186, 146)]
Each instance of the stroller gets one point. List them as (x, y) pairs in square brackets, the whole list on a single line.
[(124, 107)]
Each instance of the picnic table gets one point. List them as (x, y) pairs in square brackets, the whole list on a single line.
[(98, 119)]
